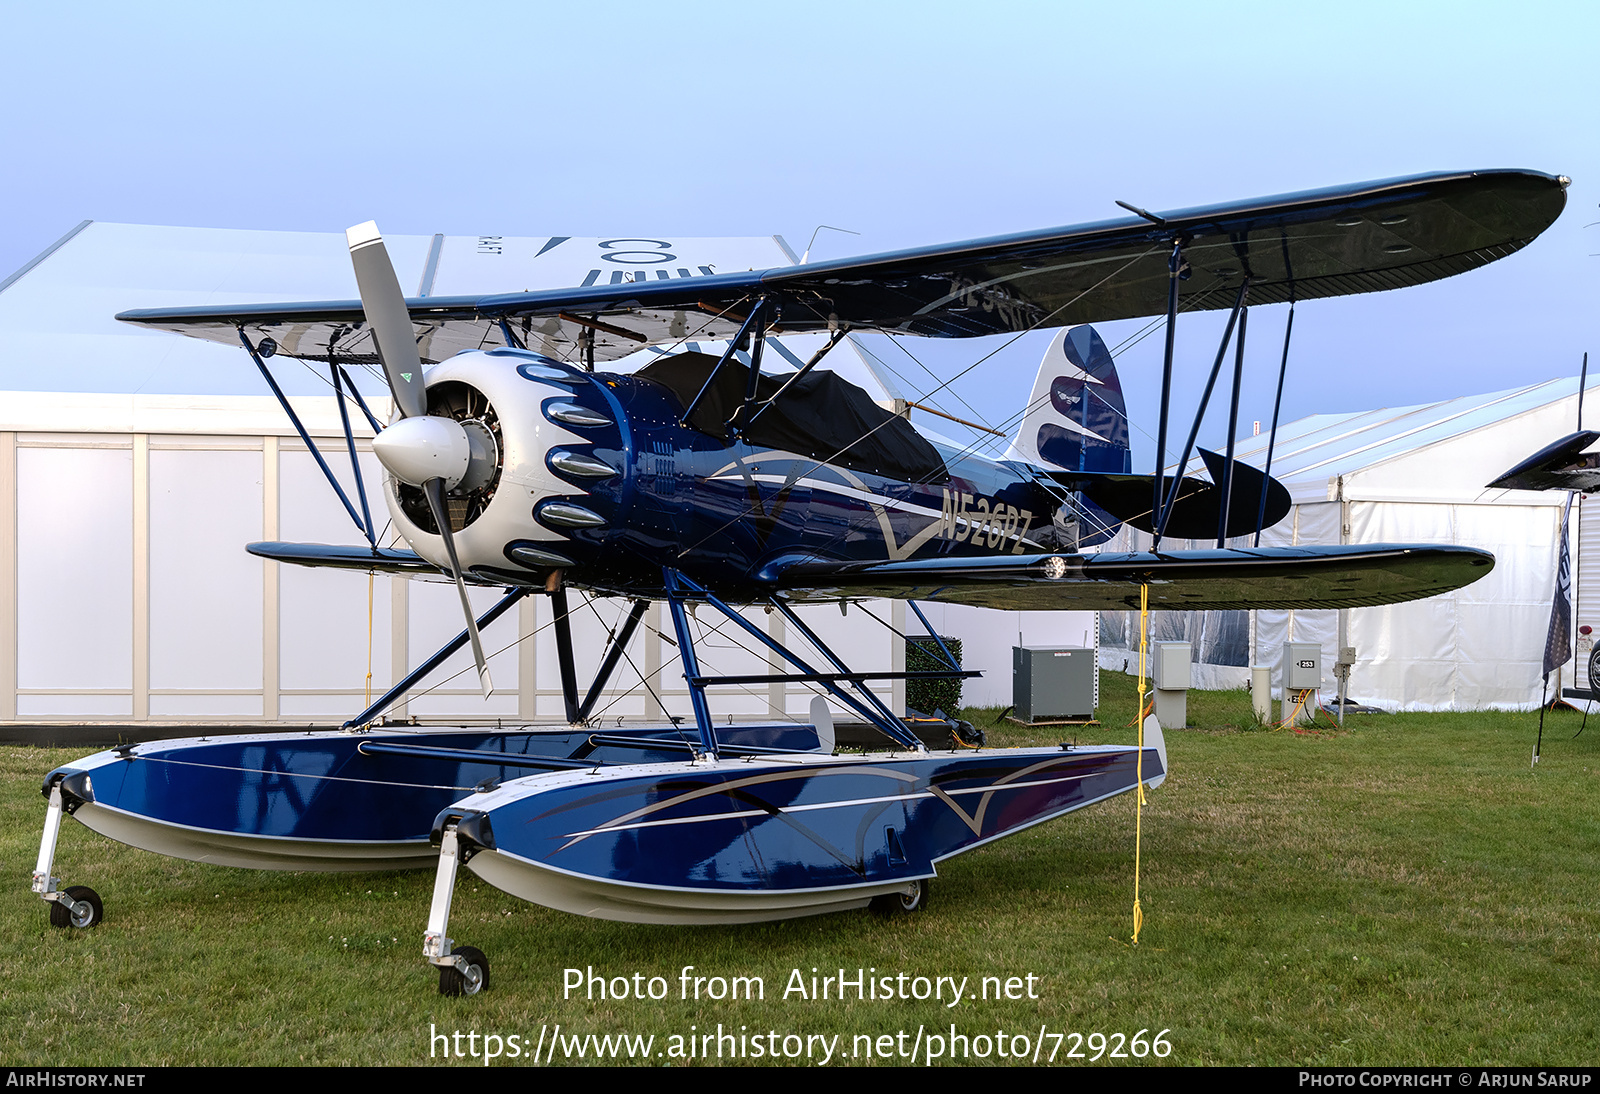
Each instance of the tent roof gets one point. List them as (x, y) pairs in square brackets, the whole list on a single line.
[(58, 334), (1432, 452)]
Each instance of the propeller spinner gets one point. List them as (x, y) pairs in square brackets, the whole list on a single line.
[(428, 452)]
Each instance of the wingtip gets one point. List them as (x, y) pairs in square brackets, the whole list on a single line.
[(363, 235), (485, 683)]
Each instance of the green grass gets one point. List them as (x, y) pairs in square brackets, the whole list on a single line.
[(1406, 891)]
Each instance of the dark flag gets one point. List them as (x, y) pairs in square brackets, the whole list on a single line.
[(1558, 642)]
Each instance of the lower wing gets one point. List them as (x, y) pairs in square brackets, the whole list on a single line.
[(1217, 580)]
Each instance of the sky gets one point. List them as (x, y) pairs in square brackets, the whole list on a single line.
[(910, 123)]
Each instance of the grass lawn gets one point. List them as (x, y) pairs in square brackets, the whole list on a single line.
[(1406, 891)]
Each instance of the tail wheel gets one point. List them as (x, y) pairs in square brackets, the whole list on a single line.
[(905, 902), (84, 911), (453, 981)]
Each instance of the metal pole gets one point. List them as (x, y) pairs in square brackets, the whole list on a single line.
[(1583, 380)]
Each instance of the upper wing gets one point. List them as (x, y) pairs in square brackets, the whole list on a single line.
[(1221, 580), (1334, 242)]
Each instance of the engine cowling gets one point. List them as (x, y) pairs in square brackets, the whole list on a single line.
[(548, 462)]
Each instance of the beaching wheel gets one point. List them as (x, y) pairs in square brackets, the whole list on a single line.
[(901, 903), (452, 981), (84, 911)]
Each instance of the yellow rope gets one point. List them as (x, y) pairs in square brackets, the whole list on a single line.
[(1138, 823)]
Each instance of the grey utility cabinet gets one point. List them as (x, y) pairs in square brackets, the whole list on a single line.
[(1053, 684)]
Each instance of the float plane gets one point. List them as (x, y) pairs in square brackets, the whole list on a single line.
[(515, 460)]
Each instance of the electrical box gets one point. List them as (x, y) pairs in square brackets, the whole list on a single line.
[(1302, 665), (1055, 684), (1171, 668)]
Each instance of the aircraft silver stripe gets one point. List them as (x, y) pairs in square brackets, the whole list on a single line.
[(825, 805)]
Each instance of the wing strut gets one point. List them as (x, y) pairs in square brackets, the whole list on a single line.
[(350, 445), (753, 321), (816, 359), (1272, 437), (1177, 269), (1200, 412), (1233, 426), (316, 453), (614, 649), (1277, 401)]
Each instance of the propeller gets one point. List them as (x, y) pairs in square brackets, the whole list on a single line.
[(426, 451)]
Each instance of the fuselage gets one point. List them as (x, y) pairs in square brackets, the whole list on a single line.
[(598, 477)]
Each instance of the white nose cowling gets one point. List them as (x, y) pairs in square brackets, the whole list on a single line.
[(415, 450)]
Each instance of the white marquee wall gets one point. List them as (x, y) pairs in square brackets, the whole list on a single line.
[(126, 594)]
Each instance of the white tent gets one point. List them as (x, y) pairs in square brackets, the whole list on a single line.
[(1412, 475), (134, 465)]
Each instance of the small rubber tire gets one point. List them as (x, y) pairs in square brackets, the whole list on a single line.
[(891, 904), (451, 980), (62, 916)]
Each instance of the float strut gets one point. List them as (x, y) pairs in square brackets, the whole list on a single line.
[(43, 884), (436, 943), (388, 697), (691, 665), (619, 642), (569, 672)]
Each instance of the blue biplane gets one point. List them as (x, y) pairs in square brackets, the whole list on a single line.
[(705, 483)]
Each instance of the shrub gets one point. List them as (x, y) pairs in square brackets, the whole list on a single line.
[(927, 696)]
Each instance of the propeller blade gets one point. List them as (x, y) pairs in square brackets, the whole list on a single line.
[(434, 488), (385, 306)]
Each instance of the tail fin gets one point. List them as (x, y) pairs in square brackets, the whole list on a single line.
[(1076, 420)]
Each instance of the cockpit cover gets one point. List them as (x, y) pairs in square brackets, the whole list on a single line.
[(821, 416)]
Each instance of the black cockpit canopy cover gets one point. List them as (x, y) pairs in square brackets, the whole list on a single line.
[(821, 416)]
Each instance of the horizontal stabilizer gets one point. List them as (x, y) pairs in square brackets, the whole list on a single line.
[(1198, 509), (1560, 466), (1216, 580)]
